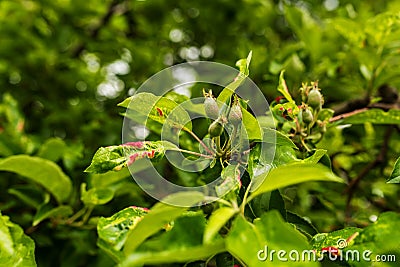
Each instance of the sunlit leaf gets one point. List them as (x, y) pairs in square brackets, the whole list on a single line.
[(283, 89), (291, 174), (16, 248), (395, 176), (231, 182), (53, 149), (243, 65), (252, 126), (42, 171), (216, 221), (314, 158), (324, 240), (273, 136), (117, 157), (381, 238), (158, 217), (183, 254), (96, 196), (114, 230), (253, 243), (144, 106)]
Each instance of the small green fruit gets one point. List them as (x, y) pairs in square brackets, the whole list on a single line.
[(315, 99), (211, 108), (215, 129), (235, 115), (307, 115)]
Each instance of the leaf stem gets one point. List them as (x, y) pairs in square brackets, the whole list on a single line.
[(222, 201), (195, 153), (304, 144), (76, 215), (218, 146), (198, 140), (87, 214), (244, 202)]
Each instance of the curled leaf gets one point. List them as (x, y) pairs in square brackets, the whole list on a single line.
[(114, 158)]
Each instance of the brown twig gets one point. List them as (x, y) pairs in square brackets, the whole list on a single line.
[(383, 106), (346, 115), (380, 158)]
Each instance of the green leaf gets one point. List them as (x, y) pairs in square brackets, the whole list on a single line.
[(282, 88), (243, 65), (268, 201), (284, 155), (280, 235), (53, 149), (114, 158), (176, 97), (105, 180), (158, 217), (332, 239), (116, 255), (16, 248), (47, 211), (314, 158), (381, 238), (376, 116), (216, 221), (229, 188), (243, 241), (42, 171), (6, 244), (273, 136), (144, 106), (183, 254), (114, 230), (96, 196), (180, 244), (301, 224), (257, 162), (291, 174), (187, 231), (395, 176), (253, 243), (251, 124)]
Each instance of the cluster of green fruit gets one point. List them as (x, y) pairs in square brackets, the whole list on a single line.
[(227, 116), (305, 123), (221, 116)]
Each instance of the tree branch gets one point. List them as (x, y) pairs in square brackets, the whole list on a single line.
[(346, 115)]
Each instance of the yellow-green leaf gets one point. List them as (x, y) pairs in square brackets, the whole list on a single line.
[(42, 171)]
